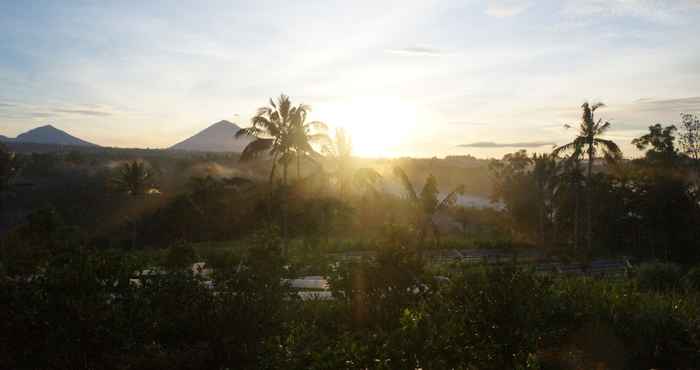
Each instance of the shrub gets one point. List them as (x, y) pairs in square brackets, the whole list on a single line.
[(691, 280), (180, 256), (659, 277)]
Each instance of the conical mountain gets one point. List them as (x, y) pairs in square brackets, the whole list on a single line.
[(219, 137), (48, 135)]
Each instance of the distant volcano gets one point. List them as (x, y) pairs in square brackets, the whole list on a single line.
[(219, 137), (47, 135)]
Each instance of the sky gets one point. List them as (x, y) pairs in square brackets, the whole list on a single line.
[(405, 78)]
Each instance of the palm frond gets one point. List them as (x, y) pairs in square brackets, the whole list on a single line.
[(283, 106), (366, 176), (450, 199), (408, 187), (318, 125), (610, 149), (248, 131), (597, 105), (256, 147), (602, 128), (568, 147)]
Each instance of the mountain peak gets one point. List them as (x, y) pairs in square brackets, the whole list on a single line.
[(224, 122), (218, 137), (48, 134)]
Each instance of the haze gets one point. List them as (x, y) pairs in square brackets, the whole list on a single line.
[(416, 78)]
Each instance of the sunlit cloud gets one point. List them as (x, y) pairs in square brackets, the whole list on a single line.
[(505, 9)]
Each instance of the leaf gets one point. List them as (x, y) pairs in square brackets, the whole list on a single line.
[(408, 187), (255, 148)]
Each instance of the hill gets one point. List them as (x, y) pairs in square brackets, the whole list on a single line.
[(219, 137)]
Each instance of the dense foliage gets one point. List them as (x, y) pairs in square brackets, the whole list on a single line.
[(86, 310)]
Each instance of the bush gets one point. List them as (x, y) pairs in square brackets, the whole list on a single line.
[(659, 277), (180, 256), (691, 280)]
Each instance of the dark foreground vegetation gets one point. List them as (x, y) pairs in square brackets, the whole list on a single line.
[(391, 312), (98, 247)]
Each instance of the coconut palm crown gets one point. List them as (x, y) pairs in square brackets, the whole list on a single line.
[(281, 131)]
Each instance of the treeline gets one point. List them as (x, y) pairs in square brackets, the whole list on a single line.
[(602, 204)]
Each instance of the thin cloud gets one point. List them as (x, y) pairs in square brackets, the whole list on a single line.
[(506, 9), (83, 112), (41, 115), (29, 111), (491, 144), (466, 123), (660, 11), (416, 51), (690, 104)]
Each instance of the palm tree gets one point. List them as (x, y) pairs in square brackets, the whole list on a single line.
[(282, 132), (271, 128), (588, 142), (339, 153), (426, 203), (304, 134), (133, 178)]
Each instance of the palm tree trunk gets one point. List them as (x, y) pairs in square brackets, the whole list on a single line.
[(436, 234), (540, 211), (272, 171), (421, 239), (589, 199), (298, 166), (577, 193), (285, 208), (272, 178)]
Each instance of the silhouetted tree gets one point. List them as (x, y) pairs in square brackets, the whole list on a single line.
[(544, 176), (427, 204), (304, 134), (513, 186), (660, 144), (339, 153), (8, 170), (280, 131), (569, 181), (589, 141), (690, 135), (133, 178)]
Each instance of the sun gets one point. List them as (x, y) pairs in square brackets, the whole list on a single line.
[(378, 125)]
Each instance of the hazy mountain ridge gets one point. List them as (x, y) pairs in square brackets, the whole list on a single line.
[(47, 134), (219, 137)]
